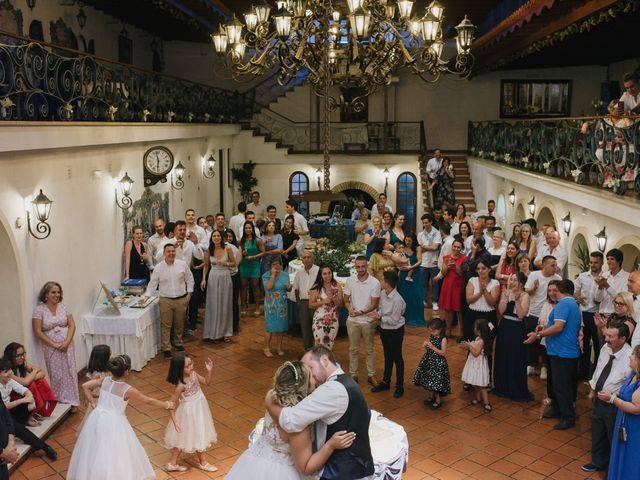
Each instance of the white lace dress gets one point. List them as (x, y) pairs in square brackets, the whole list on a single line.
[(107, 447), (268, 458)]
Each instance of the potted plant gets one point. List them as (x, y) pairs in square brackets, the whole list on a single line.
[(244, 176)]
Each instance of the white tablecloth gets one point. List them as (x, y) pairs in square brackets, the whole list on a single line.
[(136, 332), (389, 446)]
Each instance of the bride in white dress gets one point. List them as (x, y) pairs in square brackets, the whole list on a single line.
[(286, 456), (107, 447)]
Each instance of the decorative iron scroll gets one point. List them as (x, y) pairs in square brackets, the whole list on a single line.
[(597, 151), (39, 81)]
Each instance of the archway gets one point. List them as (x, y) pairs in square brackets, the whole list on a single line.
[(520, 216), (578, 256), (630, 246), (545, 217), (355, 190), (501, 208), (11, 318)]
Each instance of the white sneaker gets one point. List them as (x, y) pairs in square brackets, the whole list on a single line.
[(531, 370), (543, 373), (424, 303), (435, 306), (409, 279)]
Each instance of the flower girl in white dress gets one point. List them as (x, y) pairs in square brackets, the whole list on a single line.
[(476, 368), (191, 428), (107, 447), (278, 455)]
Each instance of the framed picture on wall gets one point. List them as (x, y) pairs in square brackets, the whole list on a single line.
[(535, 98)]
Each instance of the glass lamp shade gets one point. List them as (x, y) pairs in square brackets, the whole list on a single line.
[(512, 197), (299, 8), (336, 16), (436, 9), (532, 206), (466, 34), (360, 22), (436, 48), (566, 223), (82, 18), (263, 11), (354, 5), (210, 163), (601, 239), (318, 174), (251, 19), (386, 173), (391, 10), (413, 26), (126, 185), (282, 20), (220, 41), (429, 27), (180, 171), (234, 30), (42, 206), (239, 48), (405, 7)]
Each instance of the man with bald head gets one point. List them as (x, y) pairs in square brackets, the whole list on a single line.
[(552, 247)]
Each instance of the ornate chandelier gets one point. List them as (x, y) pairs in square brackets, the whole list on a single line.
[(360, 44)]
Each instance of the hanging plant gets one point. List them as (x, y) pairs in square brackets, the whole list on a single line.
[(244, 176)]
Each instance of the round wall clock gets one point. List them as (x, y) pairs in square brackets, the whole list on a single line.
[(158, 161)]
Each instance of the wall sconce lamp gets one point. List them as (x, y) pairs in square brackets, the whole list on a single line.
[(178, 174), (82, 18), (42, 207), (601, 239), (566, 223), (386, 174), (126, 184), (532, 206), (209, 167), (318, 177), (31, 4), (512, 197)]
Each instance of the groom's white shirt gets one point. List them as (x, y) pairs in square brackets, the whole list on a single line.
[(325, 406)]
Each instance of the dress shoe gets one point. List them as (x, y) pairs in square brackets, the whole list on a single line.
[(590, 467), (399, 392), (167, 354), (381, 387), (563, 425), (551, 413), (50, 452), (372, 381)]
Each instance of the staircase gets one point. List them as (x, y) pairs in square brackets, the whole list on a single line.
[(462, 183), (267, 138)]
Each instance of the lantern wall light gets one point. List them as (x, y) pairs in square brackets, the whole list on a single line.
[(319, 177), (42, 208), (386, 174), (512, 197), (601, 239), (566, 223), (82, 18), (532, 206), (126, 185), (209, 167), (177, 177)]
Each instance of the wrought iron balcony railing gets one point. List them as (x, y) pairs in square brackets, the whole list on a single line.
[(41, 81), (599, 151), (365, 137)]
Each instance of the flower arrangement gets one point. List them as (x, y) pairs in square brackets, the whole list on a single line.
[(112, 112), (481, 153), (612, 183), (546, 165), (507, 157), (207, 117), (597, 105), (145, 114), (6, 102), (525, 160), (189, 116), (576, 173), (170, 115)]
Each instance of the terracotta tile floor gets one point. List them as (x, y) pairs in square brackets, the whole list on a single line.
[(454, 442)]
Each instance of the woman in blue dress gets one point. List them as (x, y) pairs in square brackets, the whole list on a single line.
[(276, 285), (410, 286), (624, 464), (273, 245), (396, 233), (374, 233)]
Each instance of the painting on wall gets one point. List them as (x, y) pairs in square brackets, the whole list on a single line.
[(535, 98), (144, 213)]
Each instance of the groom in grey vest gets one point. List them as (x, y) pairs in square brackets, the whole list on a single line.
[(336, 404)]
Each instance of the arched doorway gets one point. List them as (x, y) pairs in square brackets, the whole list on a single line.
[(545, 217), (354, 191), (501, 208), (520, 216), (11, 327), (630, 247)]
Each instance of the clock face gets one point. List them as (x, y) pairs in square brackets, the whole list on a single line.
[(158, 160)]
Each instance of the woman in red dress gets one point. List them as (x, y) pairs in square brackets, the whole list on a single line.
[(33, 378), (451, 292)]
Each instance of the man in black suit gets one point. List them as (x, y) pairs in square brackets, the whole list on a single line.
[(8, 452)]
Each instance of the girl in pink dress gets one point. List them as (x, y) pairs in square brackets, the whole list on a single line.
[(54, 326)]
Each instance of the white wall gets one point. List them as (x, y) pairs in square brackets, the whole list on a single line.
[(591, 208), (86, 242)]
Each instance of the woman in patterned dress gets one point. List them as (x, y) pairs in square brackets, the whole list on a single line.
[(54, 326), (325, 297), (276, 285)]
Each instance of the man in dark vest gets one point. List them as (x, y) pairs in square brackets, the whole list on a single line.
[(336, 404)]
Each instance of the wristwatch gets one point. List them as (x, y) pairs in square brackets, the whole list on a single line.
[(538, 335)]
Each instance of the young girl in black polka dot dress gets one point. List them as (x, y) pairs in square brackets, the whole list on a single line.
[(433, 369)]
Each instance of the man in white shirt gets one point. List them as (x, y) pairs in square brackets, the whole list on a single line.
[(429, 240), (186, 250), (553, 248), (156, 240), (447, 240), (434, 164), (631, 97), (302, 283), (585, 294), (633, 284), (173, 278), (300, 226), (195, 232), (236, 223), (611, 372), (382, 197), (611, 283), (255, 206), (448, 217), (490, 211), (536, 287), (390, 313), (489, 226), (361, 296), (336, 404)]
